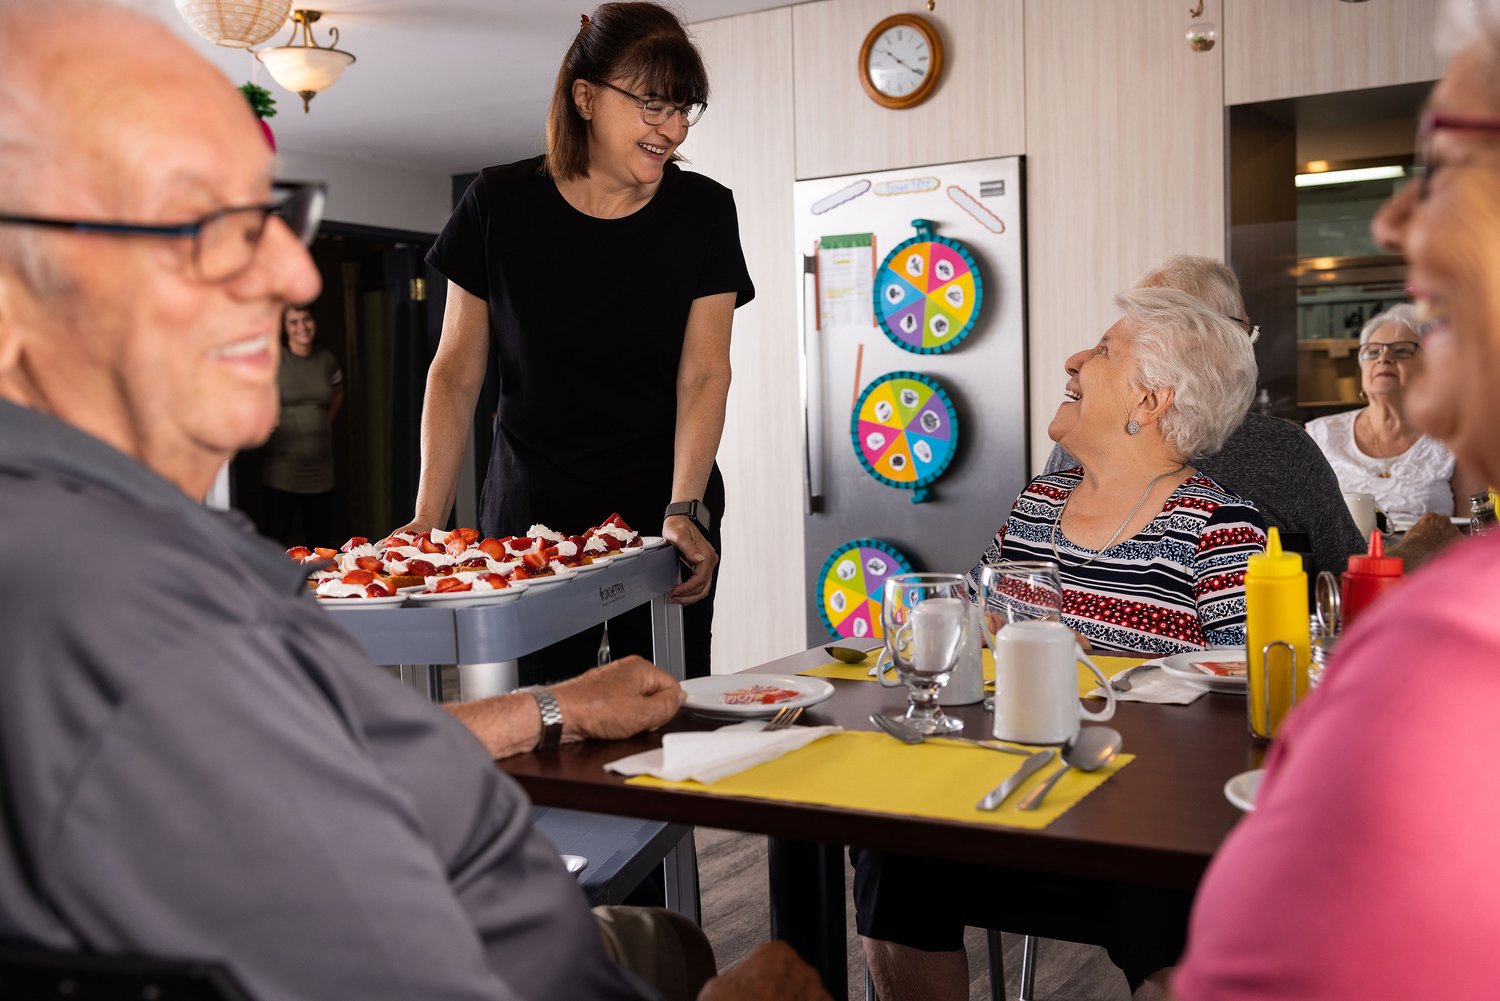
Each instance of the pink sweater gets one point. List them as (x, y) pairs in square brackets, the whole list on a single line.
[(1371, 866)]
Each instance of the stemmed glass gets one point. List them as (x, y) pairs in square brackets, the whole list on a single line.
[(925, 618), (1019, 591)]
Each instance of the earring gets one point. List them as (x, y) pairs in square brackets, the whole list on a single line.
[(1132, 426)]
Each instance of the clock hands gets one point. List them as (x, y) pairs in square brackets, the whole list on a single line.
[(897, 59)]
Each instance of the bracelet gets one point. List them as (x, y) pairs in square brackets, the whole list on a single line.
[(552, 718)]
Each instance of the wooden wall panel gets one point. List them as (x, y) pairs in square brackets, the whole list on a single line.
[(1125, 166), (1291, 48), (975, 112), (745, 142)]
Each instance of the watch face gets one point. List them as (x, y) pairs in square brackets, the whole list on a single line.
[(899, 60)]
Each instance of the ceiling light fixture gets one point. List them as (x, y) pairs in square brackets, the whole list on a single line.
[(309, 68), (235, 24), (1350, 176)]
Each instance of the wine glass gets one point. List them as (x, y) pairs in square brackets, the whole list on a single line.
[(1019, 591), (926, 619)]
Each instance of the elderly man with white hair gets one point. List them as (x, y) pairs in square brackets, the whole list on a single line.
[(196, 761)]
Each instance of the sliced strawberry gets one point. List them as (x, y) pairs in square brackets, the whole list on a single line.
[(495, 580), (426, 545), (493, 548), (549, 552), (534, 561), (369, 563), (325, 554), (517, 545), (579, 540), (475, 562), (359, 577), (421, 568), (522, 572), (469, 535), (299, 553), (446, 584), (379, 589), (357, 540)]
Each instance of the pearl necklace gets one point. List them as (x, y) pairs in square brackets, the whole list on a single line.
[(1111, 541)]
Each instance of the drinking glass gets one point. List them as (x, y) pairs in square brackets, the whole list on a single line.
[(926, 618), (1019, 591)]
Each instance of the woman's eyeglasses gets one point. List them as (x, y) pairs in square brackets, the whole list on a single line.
[(655, 111), (224, 240), (1427, 166), (1394, 350)]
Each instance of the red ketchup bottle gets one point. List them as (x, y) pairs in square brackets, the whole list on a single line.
[(1368, 577)]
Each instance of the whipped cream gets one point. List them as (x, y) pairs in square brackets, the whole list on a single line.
[(474, 579), (336, 588), (615, 532), (543, 532)]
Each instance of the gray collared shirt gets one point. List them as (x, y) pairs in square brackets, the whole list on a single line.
[(195, 762)]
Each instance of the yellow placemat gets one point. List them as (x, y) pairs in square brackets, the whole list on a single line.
[(861, 672), (870, 771)]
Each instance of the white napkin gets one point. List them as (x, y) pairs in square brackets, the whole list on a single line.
[(1157, 686), (714, 754)]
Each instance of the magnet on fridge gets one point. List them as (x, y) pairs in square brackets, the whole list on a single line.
[(905, 431), (928, 292)]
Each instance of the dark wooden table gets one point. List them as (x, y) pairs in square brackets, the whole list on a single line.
[(1158, 821)]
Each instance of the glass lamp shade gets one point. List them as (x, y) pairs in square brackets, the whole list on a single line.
[(236, 24), (305, 69)]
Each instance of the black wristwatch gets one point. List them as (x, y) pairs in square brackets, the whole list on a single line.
[(693, 510)]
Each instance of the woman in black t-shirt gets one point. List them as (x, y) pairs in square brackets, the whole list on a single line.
[(607, 279)]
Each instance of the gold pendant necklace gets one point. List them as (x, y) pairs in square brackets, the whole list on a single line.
[(1111, 541)]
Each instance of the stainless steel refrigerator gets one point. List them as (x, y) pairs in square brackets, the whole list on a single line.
[(913, 376)]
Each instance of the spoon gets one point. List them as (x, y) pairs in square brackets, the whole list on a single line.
[(1087, 750), (847, 654), (907, 735)]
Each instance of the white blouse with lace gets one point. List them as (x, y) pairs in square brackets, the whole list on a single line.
[(1412, 483)]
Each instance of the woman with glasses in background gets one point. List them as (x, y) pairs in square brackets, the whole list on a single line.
[(606, 279), (1377, 449)]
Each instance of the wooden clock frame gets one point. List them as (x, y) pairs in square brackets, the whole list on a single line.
[(924, 90)]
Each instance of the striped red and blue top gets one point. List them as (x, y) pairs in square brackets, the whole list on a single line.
[(1177, 585)]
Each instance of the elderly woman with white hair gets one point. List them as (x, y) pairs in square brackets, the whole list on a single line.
[(1151, 551), (1377, 449), (1152, 555)]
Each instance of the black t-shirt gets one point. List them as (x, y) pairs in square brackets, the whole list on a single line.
[(587, 318)]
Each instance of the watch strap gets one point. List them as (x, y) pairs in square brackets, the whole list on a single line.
[(552, 718), (693, 510)]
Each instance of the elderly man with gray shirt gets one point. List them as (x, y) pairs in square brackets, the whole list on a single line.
[(195, 762)]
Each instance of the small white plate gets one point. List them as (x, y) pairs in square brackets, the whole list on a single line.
[(1243, 788), (598, 564), (542, 583), (652, 542), (359, 604), (1181, 666), (705, 696), (454, 598)]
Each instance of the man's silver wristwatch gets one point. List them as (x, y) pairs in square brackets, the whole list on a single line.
[(552, 718)]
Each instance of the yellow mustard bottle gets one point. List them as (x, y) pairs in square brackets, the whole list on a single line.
[(1276, 632)]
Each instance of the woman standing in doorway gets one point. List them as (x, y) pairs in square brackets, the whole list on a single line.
[(606, 279), (298, 471)]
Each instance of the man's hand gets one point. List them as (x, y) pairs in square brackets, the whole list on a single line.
[(771, 970), (618, 700), (696, 553), (1429, 536)]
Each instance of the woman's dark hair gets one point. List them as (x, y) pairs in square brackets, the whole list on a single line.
[(641, 42), (286, 311)]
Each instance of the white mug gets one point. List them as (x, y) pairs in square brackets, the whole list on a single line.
[(1362, 510), (1036, 684), (966, 683)]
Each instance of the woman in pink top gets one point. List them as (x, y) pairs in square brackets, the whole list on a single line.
[(1368, 867)]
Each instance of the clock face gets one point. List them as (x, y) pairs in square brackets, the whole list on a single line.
[(899, 61)]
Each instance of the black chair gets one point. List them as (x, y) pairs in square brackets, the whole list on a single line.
[(28, 973)]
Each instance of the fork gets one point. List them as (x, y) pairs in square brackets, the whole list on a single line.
[(784, 718), (604, 657)]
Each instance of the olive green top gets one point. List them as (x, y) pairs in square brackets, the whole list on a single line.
[(299, 456)]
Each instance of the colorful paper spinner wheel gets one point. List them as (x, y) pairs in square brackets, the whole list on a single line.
[(928, 292), (852, 582), (905, 431)]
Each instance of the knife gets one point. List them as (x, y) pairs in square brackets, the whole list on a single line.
[(1029, 767)]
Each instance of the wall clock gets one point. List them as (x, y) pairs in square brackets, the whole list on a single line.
[(901, 61)]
